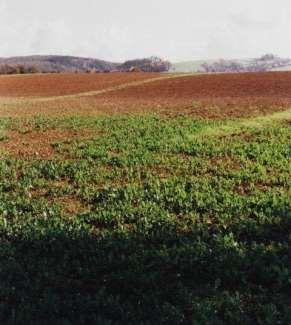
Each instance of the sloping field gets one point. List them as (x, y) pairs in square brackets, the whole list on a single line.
[(64, 84), (212, 96), (145, 218), (222, 95)]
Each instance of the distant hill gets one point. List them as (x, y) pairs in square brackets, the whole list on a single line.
[(147, 65), (58, 63), (267, 62), (188, 66)]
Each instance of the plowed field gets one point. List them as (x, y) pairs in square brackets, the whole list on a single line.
[(64, 84), (145, 218), (211, 96), (217, 96)]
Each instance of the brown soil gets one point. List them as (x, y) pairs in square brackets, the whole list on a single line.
[(208, 96), (71, 205), (38, 143), (64, 84), (214, 96)]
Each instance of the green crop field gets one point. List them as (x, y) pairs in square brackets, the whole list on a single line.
[(143, 219)]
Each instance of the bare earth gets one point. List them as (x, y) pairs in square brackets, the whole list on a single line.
[(208, 96)]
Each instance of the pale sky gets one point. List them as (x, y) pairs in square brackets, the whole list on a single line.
[(121, 29)]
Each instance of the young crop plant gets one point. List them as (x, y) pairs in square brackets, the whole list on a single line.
[(144, 219)]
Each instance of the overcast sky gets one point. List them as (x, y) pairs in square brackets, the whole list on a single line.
[(122, 29)]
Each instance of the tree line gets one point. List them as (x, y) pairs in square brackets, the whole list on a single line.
[(17, 69), (59, 64), (265, 63)]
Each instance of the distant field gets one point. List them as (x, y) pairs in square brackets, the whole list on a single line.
[(218, 96), (156, 216), (213, 96), (64, 84), (188, 66), (286, 68)]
